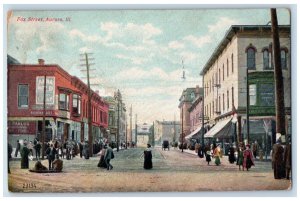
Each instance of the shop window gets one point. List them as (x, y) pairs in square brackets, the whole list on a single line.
[(23, 96), (63, 101)]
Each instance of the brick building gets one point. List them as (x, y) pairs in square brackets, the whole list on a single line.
[(66, 104)]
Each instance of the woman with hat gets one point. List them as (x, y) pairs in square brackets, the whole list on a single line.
[(248, 158), (148, 158)]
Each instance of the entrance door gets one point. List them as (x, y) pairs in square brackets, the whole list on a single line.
[(66, 131)]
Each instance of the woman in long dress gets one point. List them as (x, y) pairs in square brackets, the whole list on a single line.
[(148, 158), (24, 156), (102, 163), (248, 158), (217, 154)]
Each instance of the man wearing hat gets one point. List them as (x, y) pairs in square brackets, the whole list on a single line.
[(277, 158)]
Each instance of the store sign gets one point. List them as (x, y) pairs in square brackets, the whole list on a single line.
[(21, 127), (50, 90), (40, 113)]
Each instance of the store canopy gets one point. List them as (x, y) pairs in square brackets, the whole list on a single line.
[(193, 134), (220, 127)]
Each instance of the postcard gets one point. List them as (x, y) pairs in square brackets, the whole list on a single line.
[(149, 100)]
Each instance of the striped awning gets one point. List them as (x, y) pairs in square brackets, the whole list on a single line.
[(219, 127)]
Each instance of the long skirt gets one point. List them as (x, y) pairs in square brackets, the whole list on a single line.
[(102, 163), (217, 160), (24, 163)]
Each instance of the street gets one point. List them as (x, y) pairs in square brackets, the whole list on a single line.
[(173, 171)]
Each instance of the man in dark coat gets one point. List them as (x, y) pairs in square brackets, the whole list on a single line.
[(9, 151), (18, 148), (24, 156), (287, 160), (37, 148), (51, 153), (277, 159), (148, 158)]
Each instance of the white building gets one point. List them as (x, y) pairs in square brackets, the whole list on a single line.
[(224, 81)]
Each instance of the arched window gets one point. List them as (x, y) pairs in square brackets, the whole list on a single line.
[(266, 59), (283, 53), (251, 57)]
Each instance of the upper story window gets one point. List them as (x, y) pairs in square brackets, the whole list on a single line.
[(76, 106), (63, 101), (266, 59), (252, 94), (251, 57), (23, 95), (227, 68), (232, 63), (223, 72), (283, 55)]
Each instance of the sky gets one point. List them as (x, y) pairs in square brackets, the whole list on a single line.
[(139, 52)]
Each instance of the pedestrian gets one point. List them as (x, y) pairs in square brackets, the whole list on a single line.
[(287, 160), (9, 151), (248, 158), (240, 158), (231, 157), (80, 149), (217, 154), (101, 162), (17, 149), (30, 147), (37, 148), (148, 158), (51, 153), (86, 150), (277, 159), (24, 156), (208, 155), (109, 154), (255, 148), (200, 151), (197, 146), (57, 164)]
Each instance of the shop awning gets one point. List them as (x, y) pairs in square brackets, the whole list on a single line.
[(220, 126), (193, 134)]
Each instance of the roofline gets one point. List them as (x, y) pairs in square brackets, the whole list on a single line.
[(228, 37)]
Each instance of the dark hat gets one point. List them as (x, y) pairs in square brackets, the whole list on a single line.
[(247, 145)]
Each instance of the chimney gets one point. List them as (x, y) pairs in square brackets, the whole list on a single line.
[(41, 62)]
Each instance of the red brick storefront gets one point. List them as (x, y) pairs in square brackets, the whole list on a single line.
[(66, 104)]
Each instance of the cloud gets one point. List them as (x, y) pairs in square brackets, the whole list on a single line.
[(176, 45), (134, 60), (198, 41), (222, 24)]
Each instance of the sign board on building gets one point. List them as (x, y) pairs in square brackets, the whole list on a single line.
[(50, 90), (21, 127)]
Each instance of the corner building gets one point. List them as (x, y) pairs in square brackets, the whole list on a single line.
[(66, 110), (246, 49)]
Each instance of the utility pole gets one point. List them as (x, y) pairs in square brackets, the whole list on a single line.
[(118, 122), (130, 127), (279, 90), (247, 107), (90, 126), (126, 132), (135, 129), (44, 121)]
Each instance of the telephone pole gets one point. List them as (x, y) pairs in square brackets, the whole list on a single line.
[(135, 129), (279, 90), (130, 126), (90, 126)]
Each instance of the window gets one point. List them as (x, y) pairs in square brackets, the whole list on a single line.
[(266, 59), (227, 99), (223, 102), (219, 76), (76, 104), (227, 68), (63, 101), (251, 58), (232, 63), (223, 72), (283, 59), (23, 95), (213, 106), (267, 95), (232, 94), (252, 94), (219, 104)]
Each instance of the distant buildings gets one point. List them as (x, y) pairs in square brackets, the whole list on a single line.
[(187, 98), (66, 111), (166, 130)]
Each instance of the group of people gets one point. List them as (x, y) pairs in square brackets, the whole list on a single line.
[(106, 154)]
